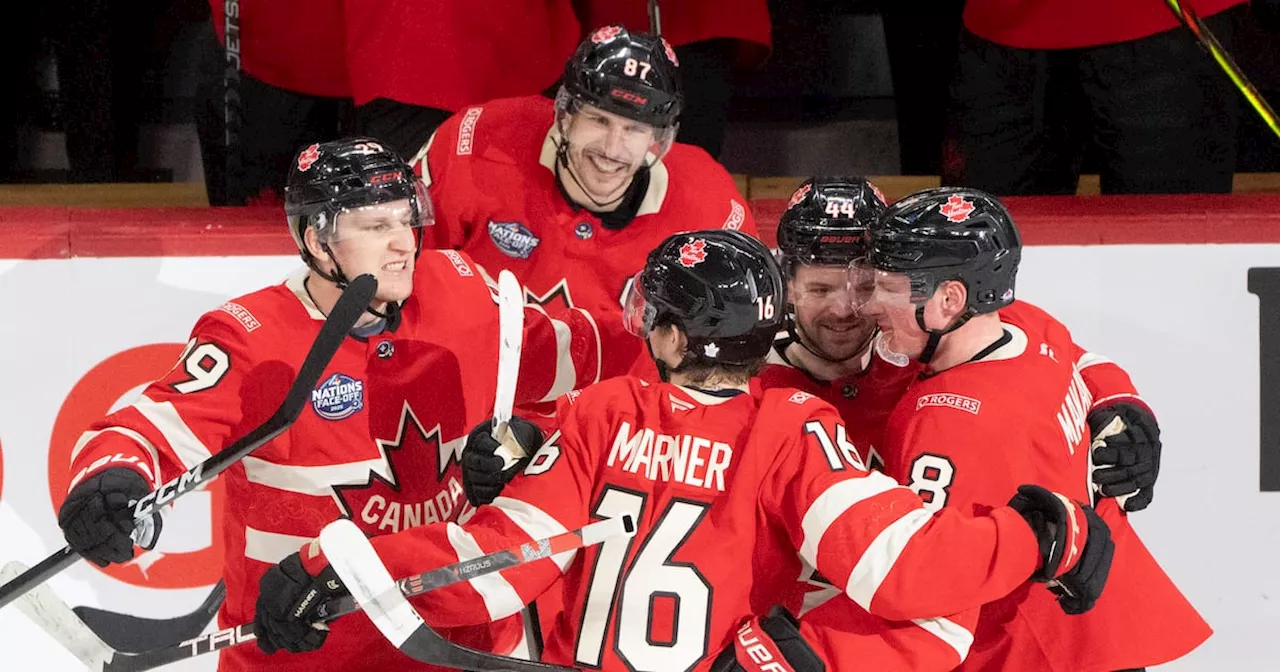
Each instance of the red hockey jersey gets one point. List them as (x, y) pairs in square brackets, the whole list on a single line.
[(490, 172), (746, 21), (300, 51), (450, 54), (966, 437), (379, 441), (729, 494)]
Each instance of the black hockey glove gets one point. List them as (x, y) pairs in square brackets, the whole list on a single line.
[(1075, 546), (97, 517), (482, 474), (288, 597), (1126, 454), (761, 643)]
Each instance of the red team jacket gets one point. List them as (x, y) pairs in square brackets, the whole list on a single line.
[(301, 51), (490, 173), (1072, 24), (724, 491), (965, 439), (685, 22), (379, 441), (448, 55)]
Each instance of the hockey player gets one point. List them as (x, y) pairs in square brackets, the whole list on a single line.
[(1004, 401), (571, 195), (729, 490), (384, 429)]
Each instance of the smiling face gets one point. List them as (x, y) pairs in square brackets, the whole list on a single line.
[(824, 312), (606, 150), (378, 239)]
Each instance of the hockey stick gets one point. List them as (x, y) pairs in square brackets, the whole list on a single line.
[(1205, 37), (655, 18), (125, 632), (56, 619), (362, 572), (350, 306), (511, 333), (231, 102)]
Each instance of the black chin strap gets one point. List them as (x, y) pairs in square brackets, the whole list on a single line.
[(795, 332), (628, 201), (390, 319), (935, 335)]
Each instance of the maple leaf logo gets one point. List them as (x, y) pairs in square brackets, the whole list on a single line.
[(671, 53), (606, 33), (309, 156), (799, 195), (957, 208), (876, 190), (407, 496), (692, 254)]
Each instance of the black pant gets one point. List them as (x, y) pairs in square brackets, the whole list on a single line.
[(400, 126), (706, 73), (273, 125), (1158, 112)]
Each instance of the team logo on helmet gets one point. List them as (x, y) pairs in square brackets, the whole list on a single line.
[(671, 53), (799, 195), (606, 33), (876, 190), (693, 253), (340, 396), (957, 208), (513, 239), (309, 156)]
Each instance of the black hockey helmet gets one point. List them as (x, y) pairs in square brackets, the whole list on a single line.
[(950, 233), (722, 288), (330, 177), (633, 75), (826, 222)]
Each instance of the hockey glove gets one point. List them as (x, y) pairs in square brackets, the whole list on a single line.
[(97, 516), (1126, 454), (288, 597), (482, 474), (1075, 546), (769, 644)]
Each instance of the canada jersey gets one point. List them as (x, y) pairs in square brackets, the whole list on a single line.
[(728, 494), (968, 436), (378, 441), (864, 399), (490, 170)]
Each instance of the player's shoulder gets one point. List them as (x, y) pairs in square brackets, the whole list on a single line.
[(440, 270), (611, 394), (1033, 320), (781, 405), (506, 128), (256, 320)]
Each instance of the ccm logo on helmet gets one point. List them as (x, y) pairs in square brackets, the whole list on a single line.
[(382, 178), (629, 97)]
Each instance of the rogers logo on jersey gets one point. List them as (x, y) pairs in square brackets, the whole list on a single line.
[(737, 215), (459, 264), (960, 402), (467, 131), (242, 315), (341, 396), (513, 239)]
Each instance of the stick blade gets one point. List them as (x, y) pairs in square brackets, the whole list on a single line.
[(135, 634), (49, 613)]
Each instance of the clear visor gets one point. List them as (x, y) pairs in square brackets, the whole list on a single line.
[(637, 313), (822, 288), (871, 285), (380, 223), (621, 139)]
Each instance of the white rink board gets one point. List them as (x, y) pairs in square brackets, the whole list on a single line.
[(1178, 317)]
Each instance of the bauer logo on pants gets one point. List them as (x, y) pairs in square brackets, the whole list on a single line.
[(340, 396)]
